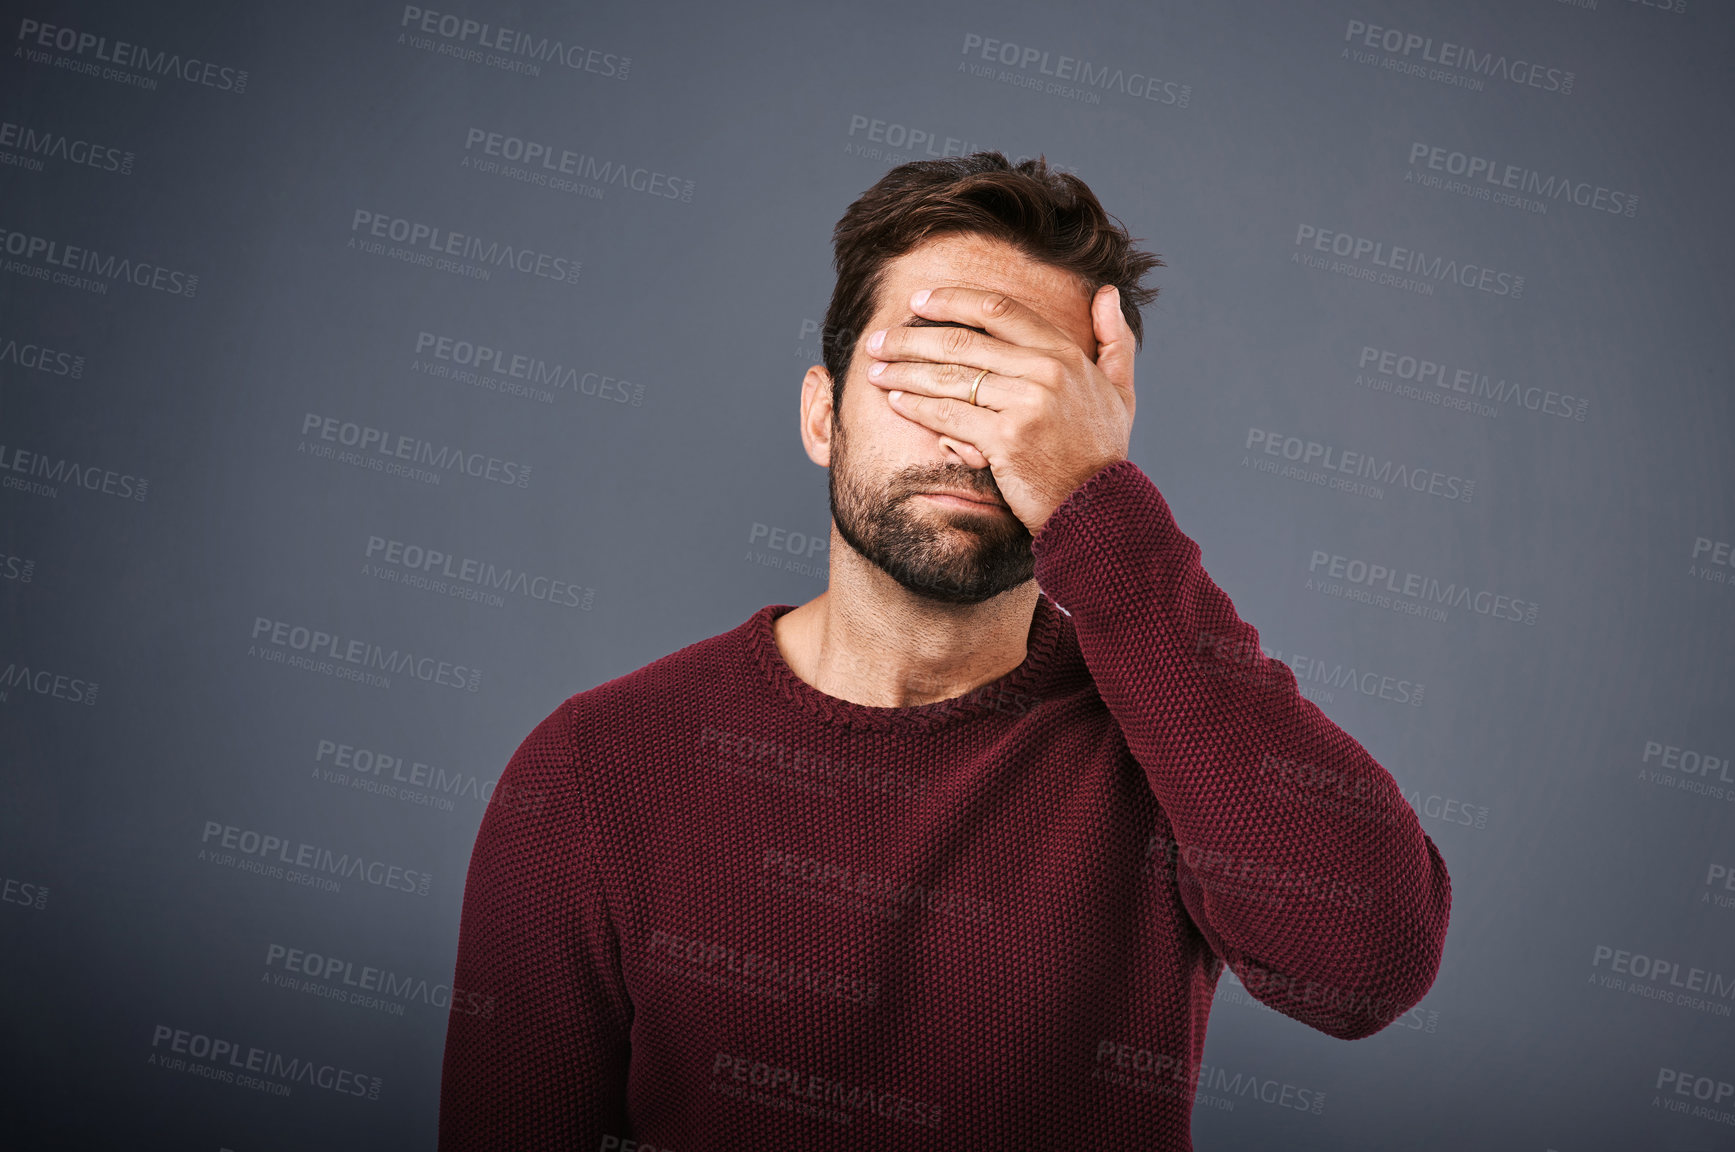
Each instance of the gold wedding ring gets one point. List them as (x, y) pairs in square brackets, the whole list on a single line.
[(977, 384)]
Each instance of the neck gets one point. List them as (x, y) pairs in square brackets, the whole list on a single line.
[(869, 640)]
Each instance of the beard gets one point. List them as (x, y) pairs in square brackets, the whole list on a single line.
[(949, 555)]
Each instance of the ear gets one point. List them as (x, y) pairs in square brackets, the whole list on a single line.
[(816, 415)]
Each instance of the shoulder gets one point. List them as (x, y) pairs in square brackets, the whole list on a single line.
[(646, 704), (622, 729)]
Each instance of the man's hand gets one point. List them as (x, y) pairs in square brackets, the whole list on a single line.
[(1047, 417)]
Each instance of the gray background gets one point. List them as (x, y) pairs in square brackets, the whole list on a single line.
[(663, 498)]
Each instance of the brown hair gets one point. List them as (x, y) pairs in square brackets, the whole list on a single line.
[(1052, 217)]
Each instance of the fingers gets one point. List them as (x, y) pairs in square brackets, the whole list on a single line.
[(969, 453), (949, 417), (971, 351), (1004, 317), (1116, 346), (950, 380)]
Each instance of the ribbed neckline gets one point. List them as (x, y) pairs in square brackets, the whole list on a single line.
[(1039, 656)]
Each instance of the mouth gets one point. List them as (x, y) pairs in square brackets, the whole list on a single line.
[(962, 499)]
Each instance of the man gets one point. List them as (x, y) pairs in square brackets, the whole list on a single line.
[(948, 856)]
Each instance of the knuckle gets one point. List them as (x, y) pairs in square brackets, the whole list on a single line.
[(956, 340), (997, 305)]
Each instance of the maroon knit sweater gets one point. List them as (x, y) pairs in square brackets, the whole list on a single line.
[(711, 907)]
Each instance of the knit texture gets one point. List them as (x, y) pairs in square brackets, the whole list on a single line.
[(711, 907)]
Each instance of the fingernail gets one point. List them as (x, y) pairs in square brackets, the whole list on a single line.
[(920, 298)]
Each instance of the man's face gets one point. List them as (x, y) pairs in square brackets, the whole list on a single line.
[(882, 462)]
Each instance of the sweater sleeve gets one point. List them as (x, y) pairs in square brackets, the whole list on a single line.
[(537, 1039), (1295, 853)]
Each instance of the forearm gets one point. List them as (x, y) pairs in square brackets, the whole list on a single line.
[(1293, 847)]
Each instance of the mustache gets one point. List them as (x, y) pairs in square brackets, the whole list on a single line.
[(963, 479)]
